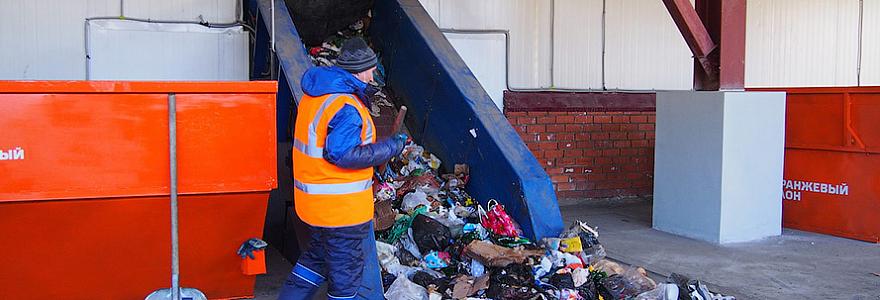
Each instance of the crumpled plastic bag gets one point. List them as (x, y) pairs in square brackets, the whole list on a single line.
[(408, 243), (473, 227), (390, 263), (580, 276), (562, 280), (620, 287), (385, 191), (664, 291), (414, 199), (583, 241), (401, 225), (448, 218), (514, 282), (551, 244), (429, 234), (437, 260), (498, 221), (544, 266), (609, 267), (404, 289), (639, 279)]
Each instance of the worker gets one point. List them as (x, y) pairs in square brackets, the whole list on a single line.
[(333, 158)]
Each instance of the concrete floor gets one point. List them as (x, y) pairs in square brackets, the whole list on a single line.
[(796, 265)]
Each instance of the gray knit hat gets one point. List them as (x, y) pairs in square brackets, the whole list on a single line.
[(356, 56)]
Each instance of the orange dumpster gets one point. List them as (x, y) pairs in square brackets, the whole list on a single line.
[(85, 191), (832, 156)]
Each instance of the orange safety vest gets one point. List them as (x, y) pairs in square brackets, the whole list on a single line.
[(326, 195)]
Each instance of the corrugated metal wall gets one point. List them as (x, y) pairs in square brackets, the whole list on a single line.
[(802, 42), (564, 38), (577, 44), (528, 22), (789, 42), (870, 73), (644, 49), (44, 39)]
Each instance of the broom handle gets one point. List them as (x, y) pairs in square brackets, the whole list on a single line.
[(172, 149)]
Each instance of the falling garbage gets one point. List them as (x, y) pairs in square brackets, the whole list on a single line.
[(435, 241)]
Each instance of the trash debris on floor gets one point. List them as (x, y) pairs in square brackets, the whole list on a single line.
[(435, 241)]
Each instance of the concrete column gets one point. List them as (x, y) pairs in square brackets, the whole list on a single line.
[(718, 164)]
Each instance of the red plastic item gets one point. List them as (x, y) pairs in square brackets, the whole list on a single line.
[(499, 222), (84, 205), (832, 157), (255, 266)]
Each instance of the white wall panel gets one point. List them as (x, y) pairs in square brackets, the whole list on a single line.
[(871, 44), (529, 24), (644, 49), (432, 7), (577, 44), (44, 39), (486, 56), (129, 50), (802, 42)]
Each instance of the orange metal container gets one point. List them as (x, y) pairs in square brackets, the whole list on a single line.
[(84, 206), (832, 161)]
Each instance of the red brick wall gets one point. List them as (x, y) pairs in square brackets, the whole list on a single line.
[(591, 154)]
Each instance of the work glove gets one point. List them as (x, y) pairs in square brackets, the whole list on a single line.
[(248, 247), (400, 140)]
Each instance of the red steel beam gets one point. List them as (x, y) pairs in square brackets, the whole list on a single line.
[(732, 40), (695, 34)]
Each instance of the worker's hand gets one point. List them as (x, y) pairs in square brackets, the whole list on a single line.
[(399, 142), (248, 247)]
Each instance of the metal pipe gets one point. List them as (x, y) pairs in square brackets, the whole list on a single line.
[(552, 42), (859, 58), (603, 44), (172, 151), (272, 33), (86, 45)]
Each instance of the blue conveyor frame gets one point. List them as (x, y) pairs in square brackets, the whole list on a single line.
[(449, 111)]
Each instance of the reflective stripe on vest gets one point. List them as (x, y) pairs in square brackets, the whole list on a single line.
[(333, 188), (311, 148)]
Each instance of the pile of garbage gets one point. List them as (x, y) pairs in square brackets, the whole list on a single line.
[(435, 241), (328, 51)]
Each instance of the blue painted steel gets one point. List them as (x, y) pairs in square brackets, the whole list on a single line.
[(446, 104), (261, 53), (290, 54), (294, 61)]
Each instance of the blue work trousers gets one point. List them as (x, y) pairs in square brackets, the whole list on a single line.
[(335, 255)]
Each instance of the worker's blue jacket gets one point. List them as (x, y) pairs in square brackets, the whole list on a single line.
[(343, 146)]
